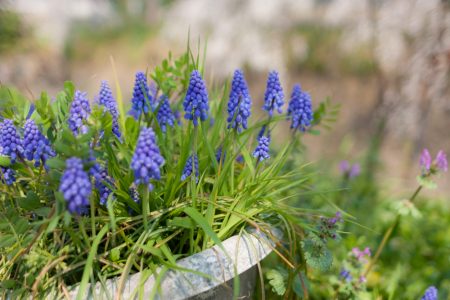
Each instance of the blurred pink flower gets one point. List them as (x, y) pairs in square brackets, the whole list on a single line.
[(425, 159), (441, 161)]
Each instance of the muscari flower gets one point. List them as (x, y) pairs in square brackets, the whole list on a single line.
[(7, 175), (37, 147), (196, 101), (79, 112), (262, 150), (430, 294), (10, 143), (141, 101), (262, 132), (274, 96), (300, 109), (165, 115), (75, 186), (239, 103), (106, 99), (441, 161), (147, 159), (191, 163), (220, 154), (101, 185)]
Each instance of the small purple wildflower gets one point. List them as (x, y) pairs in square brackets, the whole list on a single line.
[(165, 115), (10, 144), (7, 175), (349, 171), (75, 186), (239, 103), (79, 112), (425, 160), (300, 109), (37, 147), (328, 226), (430, 294), (141, 100), (274, 96), (187, 171), (107, 100), (361, 255), (345, 274), (362, 279), (355, 170), (441, 161), (196, 101), (147, 159), (262, 150)]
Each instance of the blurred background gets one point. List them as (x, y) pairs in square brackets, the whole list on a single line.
[(386, 62)]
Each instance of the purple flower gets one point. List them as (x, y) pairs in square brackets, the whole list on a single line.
[(300, 109), (430, 294), (10, 143), (147, 159), (348, 170), (165, 115), (441, 161), (328, 226), (262, 150), (37, 147), (345, 274), (7, 175), (107, 100), (79, 112), (220, 155), (196, 101), (354, 170), (101, 184), (191, 163), (75, 186), (344, 166), (239, 103), (274, 96), (361, 255), (141, 101), (425, 160), (362, 279)]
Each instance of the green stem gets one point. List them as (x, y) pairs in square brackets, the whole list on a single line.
[(388, 234), (145, 210)]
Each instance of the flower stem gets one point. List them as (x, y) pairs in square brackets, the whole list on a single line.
[(388, 234)]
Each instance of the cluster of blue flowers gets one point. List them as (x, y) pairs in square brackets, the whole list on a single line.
[(430, 294), (11, 144), (300, 109), (8, 176), (76, 186), (106, 99), (262, 150), (37, 146), (147, 159), (191, 165), (142, 100), (165, 115), (240, 103), (274, 96), (79, 112), (196, 101)]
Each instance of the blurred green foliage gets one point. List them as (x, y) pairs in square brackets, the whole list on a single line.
[(11, 29)]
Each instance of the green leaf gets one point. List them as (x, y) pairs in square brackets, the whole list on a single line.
[(115, 254), (201, 221), (426, 182), (181, 222), (5, 161), (277, 281), (316, 253)]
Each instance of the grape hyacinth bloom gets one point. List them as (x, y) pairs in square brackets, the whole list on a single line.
[(10, 144), (165, 115), (262, 150), (7, 175), (220, 155), (196, 101), (300, 109), (147, 159), (430, 294), (262, 132), (106, 99), (79, 112), (441, 161), (274, 96), (141, 101), (425, 160), (345, 274), (76, 186), (191, 163), (37, 147), (239, 104), (101, 185)]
